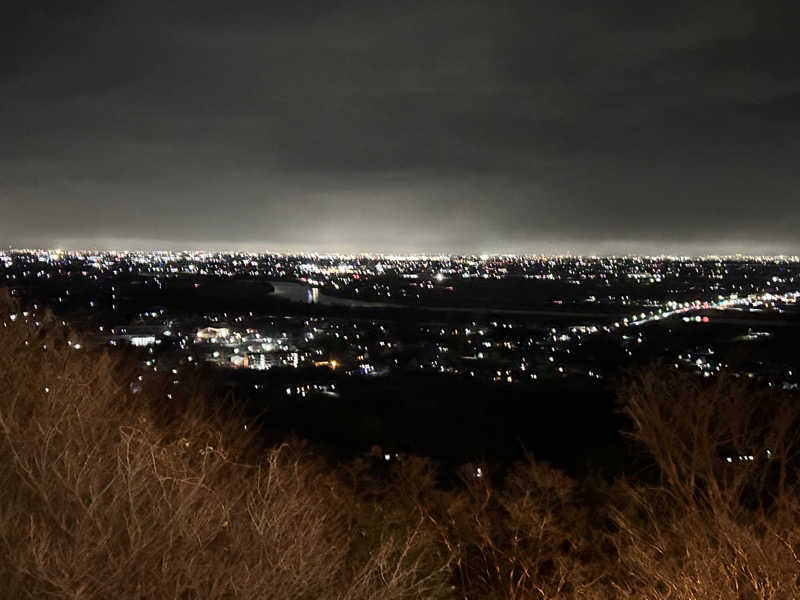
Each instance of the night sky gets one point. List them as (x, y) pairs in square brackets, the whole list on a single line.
[(582, 127)]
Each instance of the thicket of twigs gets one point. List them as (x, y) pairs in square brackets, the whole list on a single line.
[(109, 493)]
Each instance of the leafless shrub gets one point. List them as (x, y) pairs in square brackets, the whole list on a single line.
[(523, 540), (99, 500), (725, 520), (107, 493)]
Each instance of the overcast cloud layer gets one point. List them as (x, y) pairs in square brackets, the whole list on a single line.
[(588, 127)]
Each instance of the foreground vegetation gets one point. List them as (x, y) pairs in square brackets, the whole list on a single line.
[(112, 490)]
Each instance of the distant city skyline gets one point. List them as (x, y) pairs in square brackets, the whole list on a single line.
[(549, 249), (374, 126), (154, 249)]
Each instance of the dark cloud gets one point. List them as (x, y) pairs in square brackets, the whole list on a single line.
[(422, 125)]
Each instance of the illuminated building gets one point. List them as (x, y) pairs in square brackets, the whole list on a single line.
[(211, 333)]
